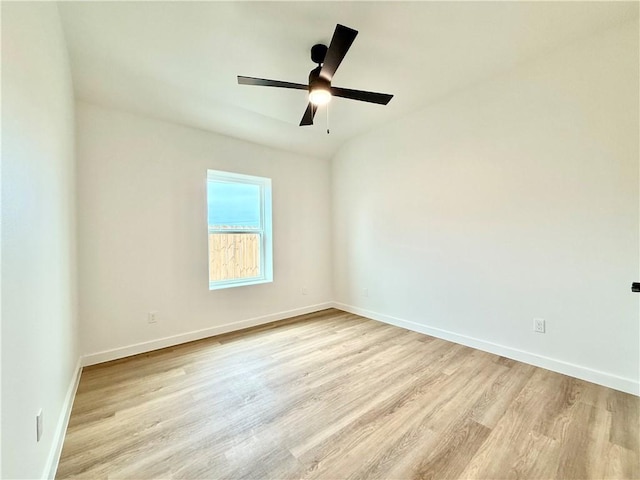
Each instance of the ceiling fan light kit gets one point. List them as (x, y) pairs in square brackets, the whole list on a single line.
[(319, 96), (319, 87)]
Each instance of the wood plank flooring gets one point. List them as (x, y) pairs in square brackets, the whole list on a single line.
[(333, 395)]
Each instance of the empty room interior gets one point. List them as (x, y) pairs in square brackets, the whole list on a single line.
[(320, 240)]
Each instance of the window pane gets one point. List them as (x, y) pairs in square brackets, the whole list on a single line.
[(233, 204), (234, 255)]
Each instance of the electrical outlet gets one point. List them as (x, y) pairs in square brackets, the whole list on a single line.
[(39, 426), (304, 290), (151, 317), (365, 292), (538, 325)]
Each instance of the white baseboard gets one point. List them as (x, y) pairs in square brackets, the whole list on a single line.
[(591, 375), (61, 428), (143, 347), (595, 376)]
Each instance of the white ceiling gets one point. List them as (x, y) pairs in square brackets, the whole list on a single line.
[(178, 61)]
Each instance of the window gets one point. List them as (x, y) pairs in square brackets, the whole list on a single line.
[(239, 217)]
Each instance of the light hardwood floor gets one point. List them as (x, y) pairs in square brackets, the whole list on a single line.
[(335, 396)]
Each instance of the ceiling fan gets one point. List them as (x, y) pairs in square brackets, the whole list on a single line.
[(319, 87)]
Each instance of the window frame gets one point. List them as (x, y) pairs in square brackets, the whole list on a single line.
[(264, 232)]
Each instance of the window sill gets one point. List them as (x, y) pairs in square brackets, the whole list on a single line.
[(236, 283)]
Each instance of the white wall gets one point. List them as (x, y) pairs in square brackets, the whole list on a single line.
[(143, 233), (39, 329), (515, 199)]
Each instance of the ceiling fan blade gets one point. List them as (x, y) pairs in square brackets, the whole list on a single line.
[(263, 82), (307, 118), (371, 97), (342, 39)]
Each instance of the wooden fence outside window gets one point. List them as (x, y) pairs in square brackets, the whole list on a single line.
[(233, 256)]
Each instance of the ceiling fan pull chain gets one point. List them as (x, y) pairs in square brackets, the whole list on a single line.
[(327, 119)]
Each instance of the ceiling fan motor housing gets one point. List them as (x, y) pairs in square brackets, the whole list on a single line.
[(318, 82)]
